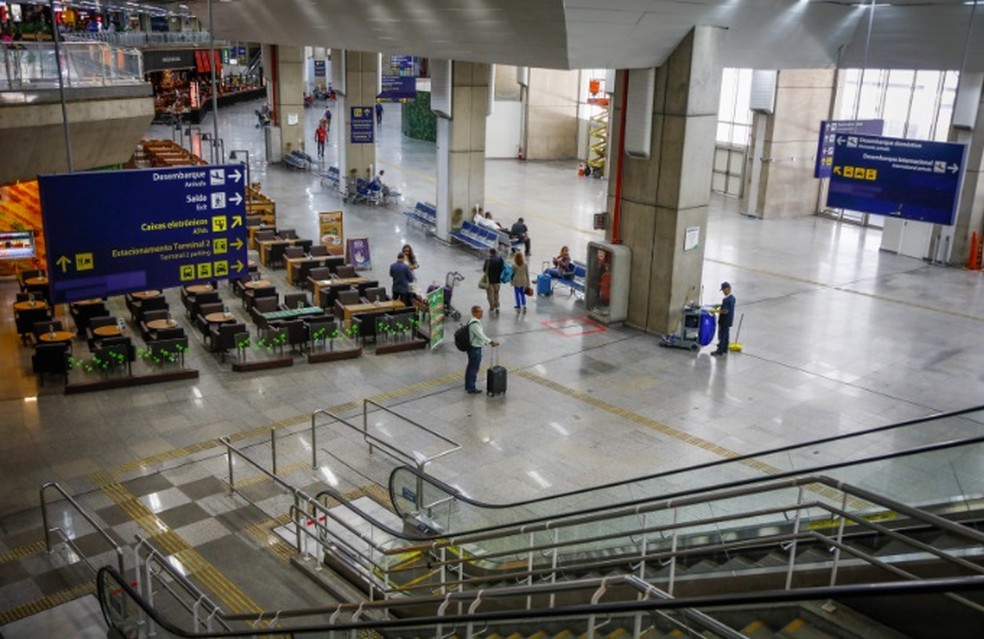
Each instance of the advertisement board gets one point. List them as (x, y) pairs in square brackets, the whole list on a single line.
[(358, 253), (435, 307), (331, 231)]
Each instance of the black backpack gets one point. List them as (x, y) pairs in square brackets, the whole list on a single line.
[(462, 338)]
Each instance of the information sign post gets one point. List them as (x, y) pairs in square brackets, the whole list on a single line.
[(113, 232), (910, 179)]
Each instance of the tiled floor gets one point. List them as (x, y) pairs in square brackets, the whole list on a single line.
[(837, 337)]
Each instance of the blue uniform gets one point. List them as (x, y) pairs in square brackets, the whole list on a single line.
[(725, 320)]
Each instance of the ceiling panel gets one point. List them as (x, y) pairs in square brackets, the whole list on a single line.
[(616, 33)]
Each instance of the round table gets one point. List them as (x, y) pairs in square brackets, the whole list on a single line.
[(57, 336), (91, 300), (195, 289), (29, 306), (220, 318), (36, 281), (257, 284), (111, 330), (145, 295), (161, 324)]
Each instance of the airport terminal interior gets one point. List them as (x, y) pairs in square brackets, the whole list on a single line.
[(208, 491)]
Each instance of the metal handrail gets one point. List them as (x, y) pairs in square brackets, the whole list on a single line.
[(92, 522), (645, 605), (454, 492), (23, 65), (423, 461)]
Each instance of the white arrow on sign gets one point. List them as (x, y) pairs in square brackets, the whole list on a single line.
[(236, 198), (841, 140), (953, 168), (236, 175)]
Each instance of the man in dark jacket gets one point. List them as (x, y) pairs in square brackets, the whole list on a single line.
[(493, 269), (726, 318), (402, 275), (520, 232)]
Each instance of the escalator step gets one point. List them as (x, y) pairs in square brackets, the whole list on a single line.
[(772, 559), (799, 628), (735, 563), (563, 634), (813, 555), (615, 634), (757, 630)]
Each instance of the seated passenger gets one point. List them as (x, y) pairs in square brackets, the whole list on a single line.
[(520, 232), (562, 265), (489, 223)]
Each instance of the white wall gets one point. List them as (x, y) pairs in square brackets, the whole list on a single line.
[(502, 130)]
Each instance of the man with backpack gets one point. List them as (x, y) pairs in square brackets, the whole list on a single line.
[(471, 337), (493, 268)]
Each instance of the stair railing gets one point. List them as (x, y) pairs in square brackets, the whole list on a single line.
[(48, 530)]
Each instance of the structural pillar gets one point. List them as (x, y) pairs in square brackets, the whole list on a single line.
[(669, 191), (970, 131), (285, 66), (461, 147), (360, 71), (779, 178)]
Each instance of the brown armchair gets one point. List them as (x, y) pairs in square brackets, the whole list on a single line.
[(223, 337)]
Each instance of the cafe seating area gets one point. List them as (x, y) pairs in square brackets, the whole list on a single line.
[(297, 300)]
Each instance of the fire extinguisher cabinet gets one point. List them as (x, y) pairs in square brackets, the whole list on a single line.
[(606, 289)]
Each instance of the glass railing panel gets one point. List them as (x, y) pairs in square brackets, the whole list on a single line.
[(456, 513)]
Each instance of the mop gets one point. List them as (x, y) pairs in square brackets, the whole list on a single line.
[(736, 345)]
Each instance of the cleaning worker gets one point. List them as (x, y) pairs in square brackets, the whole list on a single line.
[(726, 315)]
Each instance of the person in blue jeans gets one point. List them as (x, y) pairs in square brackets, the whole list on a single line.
[(726, 316), (477, 339)]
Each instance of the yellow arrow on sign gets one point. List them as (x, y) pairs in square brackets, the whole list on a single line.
[(237, 220), (63, 262), (239, 265), (837, 170), (238, 244)]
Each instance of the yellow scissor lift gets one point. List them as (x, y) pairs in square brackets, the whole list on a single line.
[(598, 143)]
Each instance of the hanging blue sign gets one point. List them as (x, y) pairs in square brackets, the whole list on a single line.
[(911, 179), (828, 135), (361, 123), (113, 232), (398, 81), (319, 68)]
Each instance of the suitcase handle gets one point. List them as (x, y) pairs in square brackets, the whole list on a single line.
[(495, 355)]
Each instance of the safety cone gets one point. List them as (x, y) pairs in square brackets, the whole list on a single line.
[(973, 260)]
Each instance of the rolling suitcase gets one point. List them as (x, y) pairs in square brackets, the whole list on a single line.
[(495, 382), (544, 285)]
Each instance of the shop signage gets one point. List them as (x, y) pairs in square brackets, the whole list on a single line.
[(113, 232), (157, 60), (828, 135), (361, 122), (910, 179)]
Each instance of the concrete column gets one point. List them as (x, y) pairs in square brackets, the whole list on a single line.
[(461, 147), (551, 104), (786, 186), (361, 84), (668, 192), (289, 97), (970, 214)]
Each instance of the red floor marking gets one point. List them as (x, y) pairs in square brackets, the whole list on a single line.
[(574, 326)]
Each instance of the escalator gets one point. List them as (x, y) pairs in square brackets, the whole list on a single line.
[(841, 515)]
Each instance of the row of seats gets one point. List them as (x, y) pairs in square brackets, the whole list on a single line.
[(476, 237), (575, 280), (298, 160), (424, 214)]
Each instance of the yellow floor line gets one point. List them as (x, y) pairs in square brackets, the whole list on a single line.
[(150, 462), (23, 551), (669, 431), (842, 289), (231, 597), (46, 603)]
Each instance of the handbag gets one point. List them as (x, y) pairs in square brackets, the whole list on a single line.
[(529, 291), (484, 282)]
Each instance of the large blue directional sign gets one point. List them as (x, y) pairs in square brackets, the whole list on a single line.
[(828, 136), (113, 232), (398, 81), (911, 179)]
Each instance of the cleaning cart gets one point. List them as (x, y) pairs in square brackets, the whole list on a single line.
[(696, 328)]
